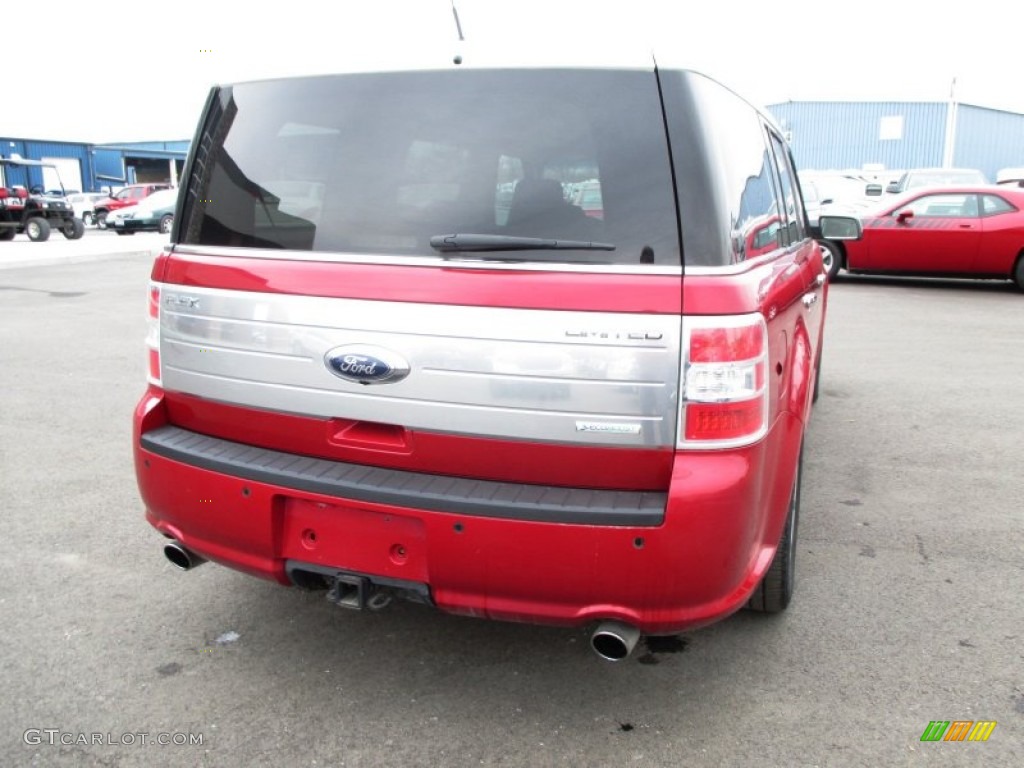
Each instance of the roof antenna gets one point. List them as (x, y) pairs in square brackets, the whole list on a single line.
[(458, 25)]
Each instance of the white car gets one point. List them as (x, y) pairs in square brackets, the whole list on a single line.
[(832, 191), (82, 203), (114, 217), (1013, 177), (935, 177), (154, 213)]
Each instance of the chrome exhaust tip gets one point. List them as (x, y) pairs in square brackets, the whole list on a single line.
[(614, 641), (182, 558)]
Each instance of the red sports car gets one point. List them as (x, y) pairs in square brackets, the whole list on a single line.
[(975, 231)]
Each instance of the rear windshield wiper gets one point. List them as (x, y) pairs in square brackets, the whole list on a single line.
[(471, 242)]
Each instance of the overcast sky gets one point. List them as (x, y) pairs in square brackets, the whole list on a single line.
[(141, 71)]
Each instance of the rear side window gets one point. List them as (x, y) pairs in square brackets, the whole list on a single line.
[(738, 199), (790, 200), (381, 163), (993, 204)]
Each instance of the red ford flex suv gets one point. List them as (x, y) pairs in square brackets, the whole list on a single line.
[(391, 354)]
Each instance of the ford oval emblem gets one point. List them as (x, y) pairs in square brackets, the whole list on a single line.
[(366, 364)]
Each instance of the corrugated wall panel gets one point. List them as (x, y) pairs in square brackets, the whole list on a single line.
[(38, 150), (899, 135), (838, 135), (49, 150), (988, 139)]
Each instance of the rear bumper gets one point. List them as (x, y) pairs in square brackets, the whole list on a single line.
[(660, 562)]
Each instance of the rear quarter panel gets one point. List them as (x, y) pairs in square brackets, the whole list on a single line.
[(1002, 241)]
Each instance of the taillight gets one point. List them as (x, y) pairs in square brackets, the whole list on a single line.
[(153, 335), (724, 400)]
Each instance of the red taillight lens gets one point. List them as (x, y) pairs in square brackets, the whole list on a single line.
[(724, 399), (724, 345), (153, 335), (154, 366), (723, 421)]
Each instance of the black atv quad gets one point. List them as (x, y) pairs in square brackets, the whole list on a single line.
[(35, 215)]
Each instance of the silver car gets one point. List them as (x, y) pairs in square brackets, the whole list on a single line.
[(82, 203)]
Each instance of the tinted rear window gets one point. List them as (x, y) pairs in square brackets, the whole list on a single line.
[(380, 163)]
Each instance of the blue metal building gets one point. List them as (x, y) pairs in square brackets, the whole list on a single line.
[(73, 161), (829, 135), (91, 167)]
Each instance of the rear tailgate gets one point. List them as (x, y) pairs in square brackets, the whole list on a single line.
[(502, 385)]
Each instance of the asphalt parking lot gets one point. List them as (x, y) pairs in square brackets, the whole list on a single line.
[(95, 244), (909, 606)]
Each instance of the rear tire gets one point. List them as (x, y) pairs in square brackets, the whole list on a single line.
[(88, 219), (101, 219), (73, 229), (1018, 272), (37, 229), (7, 233), (775, 591), (165, 223)]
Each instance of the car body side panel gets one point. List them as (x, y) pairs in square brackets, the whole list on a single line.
[(921, 244)]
